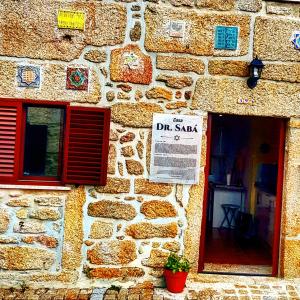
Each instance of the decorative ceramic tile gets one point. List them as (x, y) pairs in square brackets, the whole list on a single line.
[(177, 29), (296, 39), (77, 79), (226, 37), (71, 19), (28, 76)]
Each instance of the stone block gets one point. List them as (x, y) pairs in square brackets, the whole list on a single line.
[(9, 240), (22, 213), (176, 105), (272, 39), (19, 202), (45, 214), (180, 64), (249, 5), (216, 4), (53, 86), (134, 167), (145, 230), (48, 241), (128, 137), (96, 56), (175, 81), (108, 273), (30, 30), (32, 226), (140, 149), (283, 9), (171, 246), (112, 253), (270, 98), (111, 209), (112, 155), (282, 72), (229, 68), (291, 253), (4, 220), (137, 115), (144, 186), (181, 2), (114, 186), (25, 258), (158, 209), (199, 31), (157, 259), (159, 93), (100, 230), (130, 64), (135, 32), (49, 201), (127, 151)]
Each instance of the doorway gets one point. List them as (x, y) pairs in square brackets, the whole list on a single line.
[(242, 205)]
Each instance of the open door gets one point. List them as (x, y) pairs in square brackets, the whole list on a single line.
[(242, 195)]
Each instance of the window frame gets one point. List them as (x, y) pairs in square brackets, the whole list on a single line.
[(19, 179)]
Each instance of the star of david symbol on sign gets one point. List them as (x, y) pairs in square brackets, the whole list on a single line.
[(176, 137)]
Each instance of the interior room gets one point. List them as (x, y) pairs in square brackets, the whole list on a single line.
[(242, 190)]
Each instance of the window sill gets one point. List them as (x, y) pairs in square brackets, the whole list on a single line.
[(35, 187)]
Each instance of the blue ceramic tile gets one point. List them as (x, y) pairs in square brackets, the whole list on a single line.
[(28, 76), (226, 37)]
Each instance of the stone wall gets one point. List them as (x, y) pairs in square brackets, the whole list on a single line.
[(123, 231)]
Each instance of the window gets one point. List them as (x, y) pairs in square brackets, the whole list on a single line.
[(52, 143)]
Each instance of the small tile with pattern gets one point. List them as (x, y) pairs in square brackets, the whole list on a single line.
[(77, 79), (28, 76)]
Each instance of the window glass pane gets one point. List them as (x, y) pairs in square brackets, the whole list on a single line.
[(43, 133)]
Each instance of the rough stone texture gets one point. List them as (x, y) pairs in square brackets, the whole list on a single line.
[(249, 5), (282, 72), (111, 209), (291, 267), (180, 64), (108, 273), (135, 70), (127, 151), (124, 87), (123, 96), (49, 201), (157, 259), (143, 186), (112, 253), (73, 230), (176, 105), (271, 39), (113, 135), (19, 202), (53, 87), (158, 209), (47, 241), (96, 56), (199, 35), (134, 115), (128, 137), (135, 32), (222, 95), (110, 96), (181, 2), (216, 4), (100, 230), (22, 213), (134, 167), (140, 149), (4, 220), (147, 230), (114, 186), (229, 68), (285, 9), (171, 246), (174, 81), (29, 227), (159, 93), (25, 258), (30, 29), (112, 159), (45, 214)]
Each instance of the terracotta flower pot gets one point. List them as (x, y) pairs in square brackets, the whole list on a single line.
[(175, 281)]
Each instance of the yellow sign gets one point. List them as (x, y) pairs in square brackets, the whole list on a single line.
[(71, 19)]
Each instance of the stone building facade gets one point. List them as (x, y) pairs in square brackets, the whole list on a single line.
[(122, 232)]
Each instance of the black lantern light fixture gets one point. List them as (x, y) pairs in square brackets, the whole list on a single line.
[(255, 67)]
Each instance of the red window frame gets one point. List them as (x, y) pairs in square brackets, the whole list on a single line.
[(19, 178)]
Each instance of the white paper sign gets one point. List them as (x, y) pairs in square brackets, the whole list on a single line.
[(176, 148)]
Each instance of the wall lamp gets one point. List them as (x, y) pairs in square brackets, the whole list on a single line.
[(255, 68)]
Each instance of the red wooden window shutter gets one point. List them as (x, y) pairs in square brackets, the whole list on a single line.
[(10, 131), (86, 145)]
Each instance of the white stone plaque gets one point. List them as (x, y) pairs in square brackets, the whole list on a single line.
[(177, 29), (176, 148)]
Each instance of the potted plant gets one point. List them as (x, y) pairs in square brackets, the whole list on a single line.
[(176, 271)]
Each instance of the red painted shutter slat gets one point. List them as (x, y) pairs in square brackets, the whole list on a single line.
[(10, 122), (86, 145)]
